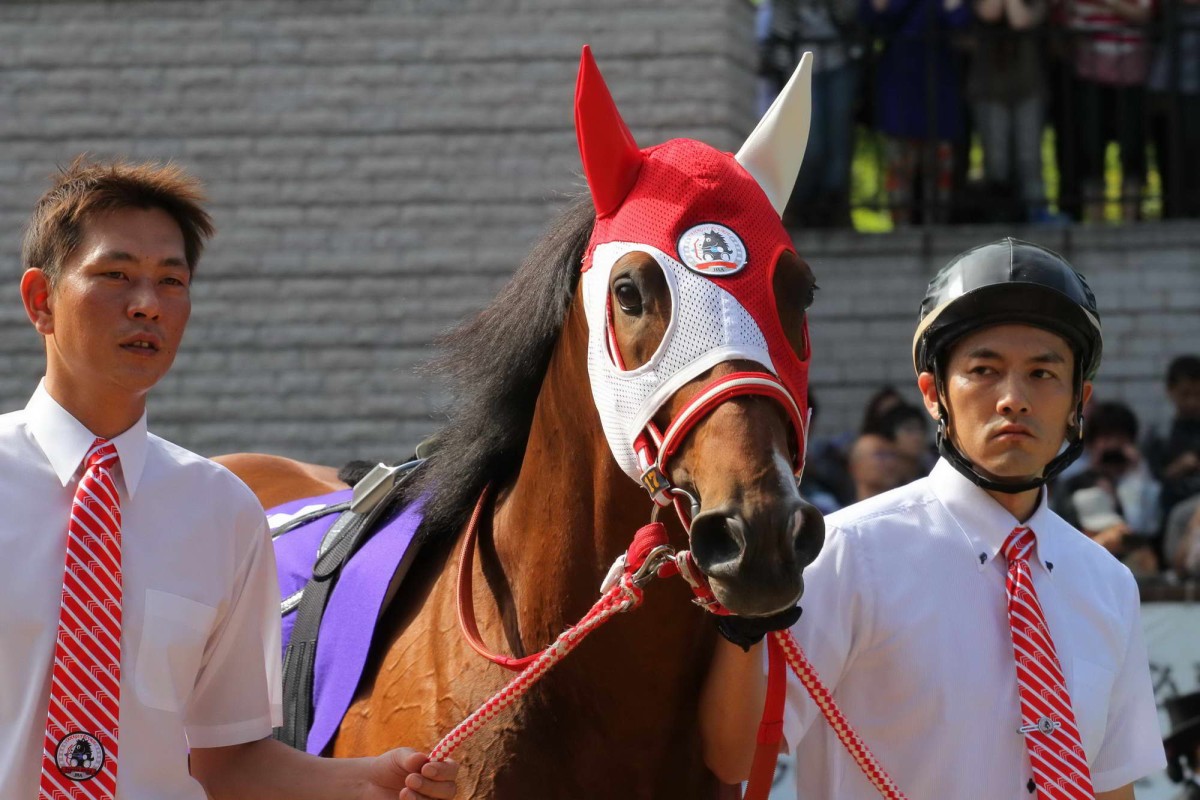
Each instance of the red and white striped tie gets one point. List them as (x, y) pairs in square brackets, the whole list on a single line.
[(79, 761), (1060, 769)]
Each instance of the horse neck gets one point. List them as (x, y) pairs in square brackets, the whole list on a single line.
[(571, 511)]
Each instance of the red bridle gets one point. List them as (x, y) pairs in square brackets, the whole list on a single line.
[(655, 449)]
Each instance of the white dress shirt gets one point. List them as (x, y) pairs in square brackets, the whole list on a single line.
[(200, 631), (905, 619)]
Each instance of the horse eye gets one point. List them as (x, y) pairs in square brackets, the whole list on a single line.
[(628, 297)]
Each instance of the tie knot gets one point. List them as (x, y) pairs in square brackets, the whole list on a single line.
[(103, 453), (1019, 544)]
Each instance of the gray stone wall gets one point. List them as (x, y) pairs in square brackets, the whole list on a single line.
[(378, 167)]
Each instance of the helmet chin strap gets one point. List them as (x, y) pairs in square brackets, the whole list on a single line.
[(949, 451)]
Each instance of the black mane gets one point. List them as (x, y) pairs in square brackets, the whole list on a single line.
[(493, 365)]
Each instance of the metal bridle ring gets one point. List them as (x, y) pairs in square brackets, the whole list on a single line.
[(692, 500)]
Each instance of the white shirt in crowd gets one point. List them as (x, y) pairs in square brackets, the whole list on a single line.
[(200, 635), (905, 619)]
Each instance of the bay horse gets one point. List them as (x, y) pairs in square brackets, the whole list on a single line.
[(619, 717)]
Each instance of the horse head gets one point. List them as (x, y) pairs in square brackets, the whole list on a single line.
[(698, 349)]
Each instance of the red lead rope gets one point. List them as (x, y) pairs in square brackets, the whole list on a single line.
[(650, 556)]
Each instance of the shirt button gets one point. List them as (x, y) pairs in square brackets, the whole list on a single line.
[(1031, 786)]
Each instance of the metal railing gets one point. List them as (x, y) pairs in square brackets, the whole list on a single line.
[(929, 166)]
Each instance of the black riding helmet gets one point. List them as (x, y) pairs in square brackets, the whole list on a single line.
[(1006, 282)]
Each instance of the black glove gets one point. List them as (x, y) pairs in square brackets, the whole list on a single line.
[(748, 631)]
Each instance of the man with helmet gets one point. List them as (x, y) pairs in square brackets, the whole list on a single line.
[(976, 641)]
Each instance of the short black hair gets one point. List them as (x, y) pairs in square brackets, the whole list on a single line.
[(1110, 418), (86, 188), (1183, 368), (888, 423)]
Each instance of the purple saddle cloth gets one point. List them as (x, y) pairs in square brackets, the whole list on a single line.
[(354, 604)]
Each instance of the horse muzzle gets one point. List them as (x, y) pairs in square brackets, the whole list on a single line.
[(753, 557)]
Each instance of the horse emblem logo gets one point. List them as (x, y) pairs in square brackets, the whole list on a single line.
[(79, 756), (712, 249)]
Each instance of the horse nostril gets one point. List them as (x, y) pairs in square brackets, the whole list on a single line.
[(718, 539), (807, 532)]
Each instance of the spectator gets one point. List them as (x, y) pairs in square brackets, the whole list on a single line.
[(1061, 111), (786, 29), (1175, 94), (1006, 85), (876, 466), (826, 483), (908, 427), (919, 103), (1111, 58), (884, 400), (1175, 458), (1181, 538), (1116, 499)]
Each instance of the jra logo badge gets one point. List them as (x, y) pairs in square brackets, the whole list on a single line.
[(79, 756), (712, 249)]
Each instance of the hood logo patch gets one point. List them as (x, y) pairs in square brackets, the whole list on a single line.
[(712, 249)]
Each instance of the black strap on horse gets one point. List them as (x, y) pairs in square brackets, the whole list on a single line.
[(374, 496)]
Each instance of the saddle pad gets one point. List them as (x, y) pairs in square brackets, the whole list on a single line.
[(354, 604)]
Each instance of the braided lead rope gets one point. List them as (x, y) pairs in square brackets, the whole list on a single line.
[(850, 739), (621, 597)]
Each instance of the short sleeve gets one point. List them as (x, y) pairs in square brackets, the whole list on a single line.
[(1132, 745), (238, 693), (833, 626)]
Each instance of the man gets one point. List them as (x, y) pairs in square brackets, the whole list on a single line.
[(1115, 500), (1175, 456), (140, 583), (926, 612), (876, 465)]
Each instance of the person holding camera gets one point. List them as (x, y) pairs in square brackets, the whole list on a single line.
[(1115, 499)]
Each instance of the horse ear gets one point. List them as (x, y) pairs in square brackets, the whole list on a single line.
[(611, 158), (773, 152)]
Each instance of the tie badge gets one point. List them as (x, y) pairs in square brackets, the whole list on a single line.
[(79, 756), (712, 249)]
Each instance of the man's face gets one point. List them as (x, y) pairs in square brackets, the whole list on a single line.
[(876, 464), (116, 314), (1009, 395), (1185, 396), (1111, 454)]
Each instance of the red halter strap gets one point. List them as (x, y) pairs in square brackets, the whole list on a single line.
[(655, 449), (466, 604)]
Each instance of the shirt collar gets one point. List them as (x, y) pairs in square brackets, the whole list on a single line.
[(987, 524), (66, 441)]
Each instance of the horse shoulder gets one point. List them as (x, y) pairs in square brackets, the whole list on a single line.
[(276, 480)]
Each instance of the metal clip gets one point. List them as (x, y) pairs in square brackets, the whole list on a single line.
[(1044, 725), (374, 486), (655, 560)]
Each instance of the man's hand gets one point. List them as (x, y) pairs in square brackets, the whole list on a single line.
[(1185, 464), (405, 774), (1112, 538)]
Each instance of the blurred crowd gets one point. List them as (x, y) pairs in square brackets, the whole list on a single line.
[(926, 77), (1135, 492)]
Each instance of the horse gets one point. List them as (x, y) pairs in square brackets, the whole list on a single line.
[(620, 716)]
